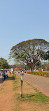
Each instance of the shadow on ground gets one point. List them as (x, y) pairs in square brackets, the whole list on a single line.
[(10, 78), (1, 80)]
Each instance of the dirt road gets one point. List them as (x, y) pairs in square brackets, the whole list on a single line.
[(41, 83)]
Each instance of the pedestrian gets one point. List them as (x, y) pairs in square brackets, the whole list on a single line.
[(4, 75)]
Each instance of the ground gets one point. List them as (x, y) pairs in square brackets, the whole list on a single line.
[(10, 97)]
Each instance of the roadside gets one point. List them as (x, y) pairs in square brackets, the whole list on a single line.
[(32, 100), (41, 83), (7, 96)]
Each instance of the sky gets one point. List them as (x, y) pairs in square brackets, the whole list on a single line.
[(22, 20)]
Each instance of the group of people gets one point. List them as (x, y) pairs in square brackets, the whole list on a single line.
[(4, 75)]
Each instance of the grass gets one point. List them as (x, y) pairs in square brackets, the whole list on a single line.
[(15, 82), (13, 77)]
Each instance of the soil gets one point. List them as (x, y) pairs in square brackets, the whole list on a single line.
[(7, 96)]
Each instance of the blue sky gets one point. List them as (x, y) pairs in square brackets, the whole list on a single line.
[(22, 20)]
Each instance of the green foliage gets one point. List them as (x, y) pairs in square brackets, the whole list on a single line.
[(22, 54), (17, 57), (15, 53), (3, 63), (46, 74), (45, 66), (36, 41), (13, 77), (46, 55), (30, 52)]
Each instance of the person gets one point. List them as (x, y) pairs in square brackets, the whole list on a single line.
[(4, 75), (10, 72), (0, 73)]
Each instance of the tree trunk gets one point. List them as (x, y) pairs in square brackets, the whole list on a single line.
[(32, 67)]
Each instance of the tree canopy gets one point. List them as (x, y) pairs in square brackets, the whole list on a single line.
[(30, 52), (3, 63)]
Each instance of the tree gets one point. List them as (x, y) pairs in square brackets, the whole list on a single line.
[(3, 63), (46, 55), (45, 66), (30, 52)]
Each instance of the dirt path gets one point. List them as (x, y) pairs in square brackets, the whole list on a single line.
[(7, 96), (41, 83)]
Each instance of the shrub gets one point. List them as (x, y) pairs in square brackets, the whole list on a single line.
[(46, 74)]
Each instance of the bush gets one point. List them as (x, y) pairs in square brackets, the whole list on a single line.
[(46, 74)]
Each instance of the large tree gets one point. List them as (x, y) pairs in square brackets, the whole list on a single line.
[(3, 63), (46, 56), (30, 52)]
